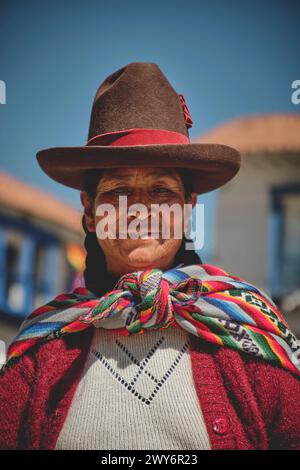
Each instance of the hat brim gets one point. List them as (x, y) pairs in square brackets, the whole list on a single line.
[(213, 164)]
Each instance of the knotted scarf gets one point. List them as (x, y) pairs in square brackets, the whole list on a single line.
[(202, 299)]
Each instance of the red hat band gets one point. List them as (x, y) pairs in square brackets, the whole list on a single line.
[(138, 136)]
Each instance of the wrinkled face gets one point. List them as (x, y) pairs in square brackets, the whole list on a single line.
[(156, 239)]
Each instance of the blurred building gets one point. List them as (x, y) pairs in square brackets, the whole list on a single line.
[(258, 217), (40, 251)]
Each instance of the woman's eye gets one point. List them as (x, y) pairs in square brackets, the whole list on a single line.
[(162, 190), (119, 191)]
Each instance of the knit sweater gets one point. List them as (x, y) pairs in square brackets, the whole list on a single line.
[(247, 402), (136, 392)]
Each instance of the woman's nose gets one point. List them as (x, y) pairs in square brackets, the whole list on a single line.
[(140, 198)]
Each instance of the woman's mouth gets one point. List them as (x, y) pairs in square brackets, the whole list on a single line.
[(142, 235)]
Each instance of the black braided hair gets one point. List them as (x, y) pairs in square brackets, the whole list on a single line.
[(97, 278)]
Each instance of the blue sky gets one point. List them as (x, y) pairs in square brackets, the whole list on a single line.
[(228, 58)]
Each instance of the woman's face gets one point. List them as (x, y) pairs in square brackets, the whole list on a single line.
[(143, 186)]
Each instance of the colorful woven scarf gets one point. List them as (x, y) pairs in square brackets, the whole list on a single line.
[(202, 299)]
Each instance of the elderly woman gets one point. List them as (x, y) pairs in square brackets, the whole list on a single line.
[(157, 350)]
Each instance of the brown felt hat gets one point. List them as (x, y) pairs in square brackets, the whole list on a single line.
[(138, 119)]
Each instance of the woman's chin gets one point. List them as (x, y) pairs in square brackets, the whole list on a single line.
[(142, 253)]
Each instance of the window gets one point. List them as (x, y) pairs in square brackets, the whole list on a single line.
[(33, 266), (284, 240)]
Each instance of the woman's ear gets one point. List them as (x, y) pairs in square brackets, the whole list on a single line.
[(88, 211), (193, 199)]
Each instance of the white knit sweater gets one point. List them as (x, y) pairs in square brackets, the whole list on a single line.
[(136, 392)]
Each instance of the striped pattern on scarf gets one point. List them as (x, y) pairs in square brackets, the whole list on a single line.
[(202, 299)]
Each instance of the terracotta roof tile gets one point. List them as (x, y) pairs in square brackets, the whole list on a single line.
[(263, 132), (30, 200)]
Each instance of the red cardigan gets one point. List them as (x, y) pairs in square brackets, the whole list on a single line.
[(247, 403)]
